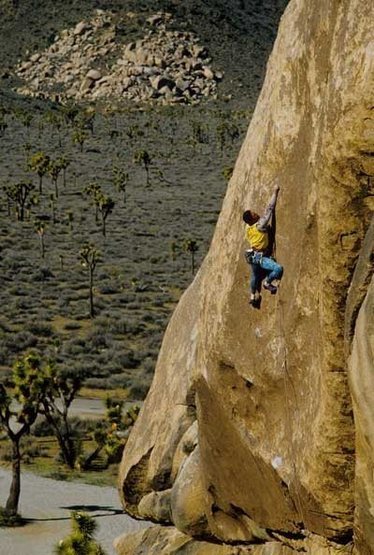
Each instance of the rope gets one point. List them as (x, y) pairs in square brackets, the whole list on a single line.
[(286, 374), (273, 227), (287, 377)]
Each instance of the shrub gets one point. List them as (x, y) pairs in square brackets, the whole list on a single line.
[(97, 341), (108, 289), (149, 365), (31, 449), (97, 383), (42, 274), (42, 428), (138, 390), (81, 540), (127, 360), (40, 329), (21, 341), (18, 291), (72, 326), (6, 452)]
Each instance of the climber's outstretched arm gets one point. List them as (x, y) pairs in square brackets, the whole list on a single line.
[(263, 222)]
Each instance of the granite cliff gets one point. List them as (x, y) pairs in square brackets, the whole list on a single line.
[(257, 435)]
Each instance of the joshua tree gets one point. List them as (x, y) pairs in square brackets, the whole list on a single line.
[(142, 158), (120, 179), (40, 227), (19, 193), (3, 124), (56, 403), (102, 432), (81, 540), (226, 129), (64, 163), (39, 163), (115, 441), (71, 220), (192, 247), (79, 136), (55, 120), (25, 118), (90, 256), (86, 119), (174, 248), (70, 113), (110, 436), (52, 204), (105, 205), (199, 133), (93, 190), (19, 406), (221, 135), (54, 170)]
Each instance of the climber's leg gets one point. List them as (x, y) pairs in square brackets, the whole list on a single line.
[(273, 270), (255, 285)]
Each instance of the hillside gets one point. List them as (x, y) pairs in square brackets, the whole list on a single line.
[(238, 34)]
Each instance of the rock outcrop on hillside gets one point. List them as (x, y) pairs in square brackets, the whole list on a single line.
[(89, 62), (249, 433)]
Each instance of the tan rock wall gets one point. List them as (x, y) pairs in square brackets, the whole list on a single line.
[(362, 380), (360, 348), (270, 387)]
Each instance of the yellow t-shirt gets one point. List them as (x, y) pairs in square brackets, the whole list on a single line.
[(258, 240)]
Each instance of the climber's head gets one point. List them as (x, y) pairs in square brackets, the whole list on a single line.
[(250, 217)]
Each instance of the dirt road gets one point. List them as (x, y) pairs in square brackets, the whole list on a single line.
[(47, 503)]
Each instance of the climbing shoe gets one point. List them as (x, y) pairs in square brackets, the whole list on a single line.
[(269, 287), (255, 302)]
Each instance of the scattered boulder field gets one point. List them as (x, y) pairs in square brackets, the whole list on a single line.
[(89, 62)]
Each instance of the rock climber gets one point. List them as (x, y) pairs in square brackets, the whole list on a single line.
[(264, 268)]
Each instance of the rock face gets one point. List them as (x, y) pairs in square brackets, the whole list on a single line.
[(359, 343), (268, 391)]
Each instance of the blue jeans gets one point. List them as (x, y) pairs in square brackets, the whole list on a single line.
[(263, 267)]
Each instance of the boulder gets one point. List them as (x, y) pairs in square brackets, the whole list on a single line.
[(86, 85), (150, 71), (127, 82), (166, 541), (182, 84), (199, 51), (159, 62), (165, 91), (35, 57), (208, 73), (25, 66), (155, 19), (185, 447), (156, 506), (81, 28), (94, 75), (161, 81), (141, 56), (188, 495)]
